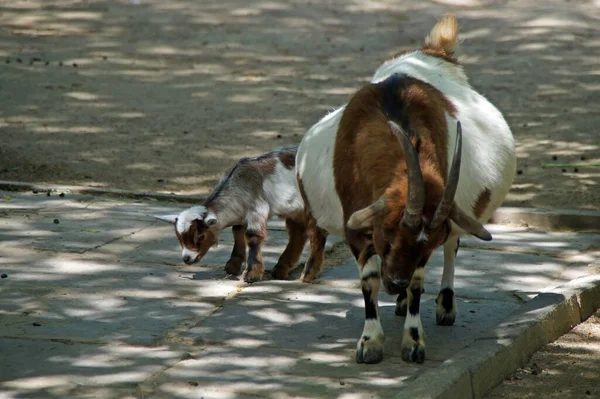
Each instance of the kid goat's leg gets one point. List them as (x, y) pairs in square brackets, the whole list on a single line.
[(369, 348), (445, 312), (238, 254), (290, 256), (256, 233)]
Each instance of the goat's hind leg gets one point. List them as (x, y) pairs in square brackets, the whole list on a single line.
[(238, 254), (314, 263), (297, 239), (445, 313)]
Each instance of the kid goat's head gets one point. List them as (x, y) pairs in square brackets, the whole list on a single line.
[(193, 230), (413, 217)]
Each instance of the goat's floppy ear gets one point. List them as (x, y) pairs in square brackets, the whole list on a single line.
[(469, 224), (166, 218), (366, 217)]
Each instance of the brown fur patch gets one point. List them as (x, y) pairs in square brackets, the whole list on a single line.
[(367, 155), (317, 238), (288, 159), (197, 238), (290, 256), (439, 54), (482, 203)]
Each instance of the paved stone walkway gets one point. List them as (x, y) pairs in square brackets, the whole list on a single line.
[(96, 304)]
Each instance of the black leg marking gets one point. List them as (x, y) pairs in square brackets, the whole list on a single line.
[(457, 245), (370, 309), (414, 333), (413, 306), (447, 299)]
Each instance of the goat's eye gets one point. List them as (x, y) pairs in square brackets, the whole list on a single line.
[(200, 238)]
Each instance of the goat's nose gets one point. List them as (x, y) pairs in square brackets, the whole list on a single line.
[(400, 282), (187, 258)]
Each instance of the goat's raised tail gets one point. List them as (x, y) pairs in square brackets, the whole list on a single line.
[(443, 36)]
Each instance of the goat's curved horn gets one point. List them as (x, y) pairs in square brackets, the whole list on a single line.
[(416, 190), (443, 209)]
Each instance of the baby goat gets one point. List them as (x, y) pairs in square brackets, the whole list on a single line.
[(393, 173), (246, 197)]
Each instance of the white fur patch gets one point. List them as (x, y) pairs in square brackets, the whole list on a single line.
[(449, 258), (373, 328), (373, 265), (185, 218), (281, 191), (422, 236), (314, 164)]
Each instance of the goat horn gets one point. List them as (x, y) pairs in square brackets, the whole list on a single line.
[(443, 209), (416, 190)]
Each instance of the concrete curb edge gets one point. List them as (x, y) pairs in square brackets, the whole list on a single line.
[(562, 219), (478, 368), (23, 186)]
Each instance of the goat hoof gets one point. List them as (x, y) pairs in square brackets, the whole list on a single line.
[(233, 266), (280, 271), (401, 308), (255, 274), (369, 350), (308, 277), (413, 346), (445, 312)]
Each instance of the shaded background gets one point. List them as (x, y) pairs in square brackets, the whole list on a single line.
[(164, 96)]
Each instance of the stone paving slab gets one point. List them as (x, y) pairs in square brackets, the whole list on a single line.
[(219, 372), (60, 369), (294, 316), (118, 315)]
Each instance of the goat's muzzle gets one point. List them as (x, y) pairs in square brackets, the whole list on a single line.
[(394, 286)]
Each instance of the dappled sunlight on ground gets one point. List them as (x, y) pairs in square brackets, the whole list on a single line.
[(164, 96), (100, 305)]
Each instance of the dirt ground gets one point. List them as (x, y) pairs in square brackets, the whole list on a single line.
[(566, 368), (164, 96)]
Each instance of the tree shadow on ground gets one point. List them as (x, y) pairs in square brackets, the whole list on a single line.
[(100, 306), (164, 96)]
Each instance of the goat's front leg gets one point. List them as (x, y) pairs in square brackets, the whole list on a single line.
[(369, 348), (256, 233), (413, 342), (445, 313), (297, 239), (238, 254)]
